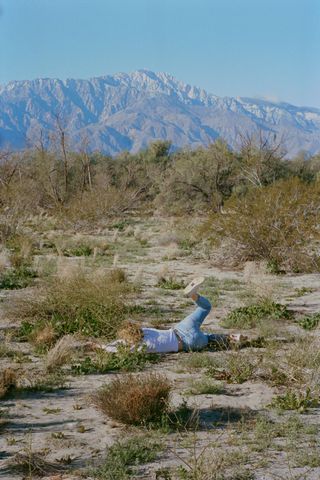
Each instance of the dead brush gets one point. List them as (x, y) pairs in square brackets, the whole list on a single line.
[(33, 464), (134, 400)]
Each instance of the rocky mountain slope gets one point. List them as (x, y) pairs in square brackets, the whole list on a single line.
[(127, 111)]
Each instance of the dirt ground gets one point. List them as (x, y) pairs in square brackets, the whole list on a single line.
[(65, 426)]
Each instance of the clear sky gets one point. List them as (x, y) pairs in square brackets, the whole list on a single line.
[(264, 48)]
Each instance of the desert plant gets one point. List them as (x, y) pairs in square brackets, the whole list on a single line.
[(33, 464), (309, 322), (205, 387), (197, 360), (124, 455), (170, 283), (16, 278), (251, 315), (277, 223), (134, 400), (293, 400), (90, 305), (81, 250)]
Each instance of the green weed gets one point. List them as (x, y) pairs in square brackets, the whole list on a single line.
[(205, 386), (125, 359), (310, 322), (233, 368), (17, 278), (293, 400), (170, 283), (252, 315), (81, 250), (124, 456)]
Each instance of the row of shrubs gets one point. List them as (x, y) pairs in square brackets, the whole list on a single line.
[(259, 205)]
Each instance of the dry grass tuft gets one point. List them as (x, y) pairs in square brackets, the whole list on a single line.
[(135, 400), (44, 336), (118, 275), (60, 353), (8, 380)]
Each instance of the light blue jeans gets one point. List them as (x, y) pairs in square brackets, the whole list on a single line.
[(189, 328)]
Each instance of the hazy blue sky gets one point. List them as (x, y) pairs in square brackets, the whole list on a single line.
[(267, 48)]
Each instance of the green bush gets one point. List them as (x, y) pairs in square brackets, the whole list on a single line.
[(277, 223), (252, 315)]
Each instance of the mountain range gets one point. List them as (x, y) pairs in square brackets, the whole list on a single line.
[(128, 111)]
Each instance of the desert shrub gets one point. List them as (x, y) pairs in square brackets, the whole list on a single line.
[(195, 179), (104, 201), (124, 455), (134, 400), (16, 383), (309, 322), (91, 305), (251, 315), (277, 223), (125, 359)]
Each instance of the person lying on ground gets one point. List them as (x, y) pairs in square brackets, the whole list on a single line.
[(185, 336)]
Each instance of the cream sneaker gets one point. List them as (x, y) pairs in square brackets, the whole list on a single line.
[(193, 286)]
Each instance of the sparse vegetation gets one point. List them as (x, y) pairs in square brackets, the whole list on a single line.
[(123, 456), (134, 400), (16, 278), (205, 387), (125, 359), (90, 305), (233, 367), (252, 315), (310, 322), (170, 283), (292, 400), (80, 243)]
